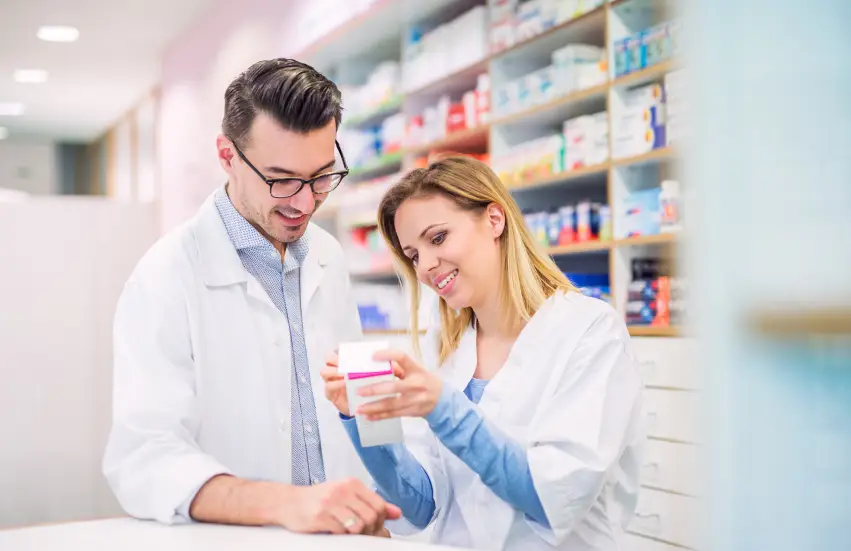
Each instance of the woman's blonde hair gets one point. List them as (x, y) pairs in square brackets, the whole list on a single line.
[(530, 275)]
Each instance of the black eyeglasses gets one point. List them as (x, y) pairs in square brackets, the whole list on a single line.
[(281, 188)]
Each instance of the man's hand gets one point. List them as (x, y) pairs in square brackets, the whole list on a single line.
[(339, 507)]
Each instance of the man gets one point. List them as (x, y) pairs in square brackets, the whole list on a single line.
[(223, 327)]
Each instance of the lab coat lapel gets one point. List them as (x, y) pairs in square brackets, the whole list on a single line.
[(312, 270), (219, 260), (464, 360)]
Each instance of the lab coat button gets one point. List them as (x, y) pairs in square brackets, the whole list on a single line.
[(285, 425)]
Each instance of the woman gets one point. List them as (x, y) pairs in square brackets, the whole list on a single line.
[(529, 392)]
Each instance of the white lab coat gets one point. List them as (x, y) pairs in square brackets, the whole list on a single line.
[(203, 368), (570, 393)]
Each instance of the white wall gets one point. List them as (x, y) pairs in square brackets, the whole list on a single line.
[(29, 166), (63, 263), (769, 174)]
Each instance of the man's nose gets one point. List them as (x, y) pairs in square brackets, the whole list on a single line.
[(304, 200)]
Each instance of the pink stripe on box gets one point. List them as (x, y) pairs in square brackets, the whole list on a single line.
[(353, 376)]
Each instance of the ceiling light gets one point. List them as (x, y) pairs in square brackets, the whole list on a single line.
[(58, 33), (4, 132), (11, 109), (30, 76)]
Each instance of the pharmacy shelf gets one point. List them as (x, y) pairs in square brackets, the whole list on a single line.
[(554, 37), (377, 275), (660, 155), (606, 182), (644, 76), (377, 115), (652, 331), (659, 239), (582, 102), (381, 166), (387, 332), (581, 248), (803, 322), (474, 139), (579, 176), (368, 31), (463, 78)]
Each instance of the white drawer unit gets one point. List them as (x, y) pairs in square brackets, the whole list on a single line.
[(633, 542), (672, 466), (668, 517), (667, 362), (672, 414)]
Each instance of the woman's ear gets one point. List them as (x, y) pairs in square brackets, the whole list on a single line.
[(496, 219)]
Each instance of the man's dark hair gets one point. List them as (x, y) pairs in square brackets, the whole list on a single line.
[(296, 95)]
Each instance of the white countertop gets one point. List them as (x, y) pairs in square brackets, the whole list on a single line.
[(134, 535)]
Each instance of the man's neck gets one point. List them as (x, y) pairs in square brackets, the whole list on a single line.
[(279, 246)]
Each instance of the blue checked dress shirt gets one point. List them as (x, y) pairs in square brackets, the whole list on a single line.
[(281, 280)]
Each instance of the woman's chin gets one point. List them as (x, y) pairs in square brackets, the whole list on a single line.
[(455, 302)]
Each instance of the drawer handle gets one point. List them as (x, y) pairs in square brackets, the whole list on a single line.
[(652, 518), (651, 470), (647, 367), (652, 417)]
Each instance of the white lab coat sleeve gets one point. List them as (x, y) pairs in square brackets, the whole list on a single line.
[(152, 461), (425, 447), (581, 430)]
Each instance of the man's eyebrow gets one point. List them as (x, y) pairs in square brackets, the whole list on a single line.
[(288, 172)]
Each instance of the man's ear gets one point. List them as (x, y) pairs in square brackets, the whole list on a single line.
[(496, 219), (226, 152)]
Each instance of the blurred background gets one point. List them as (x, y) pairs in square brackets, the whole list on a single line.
[(688, 161)]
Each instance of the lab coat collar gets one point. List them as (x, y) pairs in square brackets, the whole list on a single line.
[(313, 266), (221, 263), (464, 360), (219, 260)]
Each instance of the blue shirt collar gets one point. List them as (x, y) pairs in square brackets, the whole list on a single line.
[(245, 236)]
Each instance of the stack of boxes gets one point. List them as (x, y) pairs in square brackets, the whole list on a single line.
[(651, 211), (531, 160), (653, 298), (382, 86), (514, 21), (676, 108), (639, 123), (646, 48), (447, 116), (433, 54), (640, 214), (592, 285), (571, 224), (586, 141), (574, 67)]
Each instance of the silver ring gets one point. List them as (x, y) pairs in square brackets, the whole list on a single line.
[(349, 522)]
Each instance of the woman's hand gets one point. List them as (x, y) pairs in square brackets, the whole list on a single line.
[(417, 391), (335, 384)]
